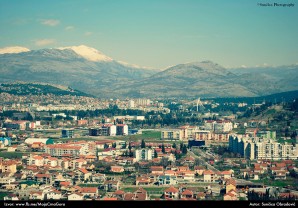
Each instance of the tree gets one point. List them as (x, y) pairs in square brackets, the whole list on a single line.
[(184, 149), (155, 154), (181, 146), (114, 145), (143, 144), (19, 168), (246, 177), (174, 145), (105, 146), (124, 146), (163, 148), (129, 146), (177, 155), (197, 161), (164, 161)]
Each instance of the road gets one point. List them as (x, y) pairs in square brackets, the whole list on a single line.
[(202, 155)]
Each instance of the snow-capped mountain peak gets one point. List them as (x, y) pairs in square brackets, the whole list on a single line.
[(13, 49), (88, 53)]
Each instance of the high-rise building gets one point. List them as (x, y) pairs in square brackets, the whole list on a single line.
[(144, 154), (131, 104), (121, 129), (260, 148), (142, 102)]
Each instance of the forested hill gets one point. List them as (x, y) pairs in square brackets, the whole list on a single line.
[(38, 89)]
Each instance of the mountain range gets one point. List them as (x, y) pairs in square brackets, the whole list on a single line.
[(90, 71)]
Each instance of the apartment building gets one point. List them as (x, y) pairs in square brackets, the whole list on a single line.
[(144, 154), (260, 148), (171, 134), (103, 130)]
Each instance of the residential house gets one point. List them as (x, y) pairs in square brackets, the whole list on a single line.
[(138, 195), (117, 169), (201, 196), (280, 174), (35, 160), (187, 194), (209, 176), (119, 194), (8, 166), (171, 193), (82, 175), (143, 180), (226, 174), (53, 195), (167, 180), (43, 178), (111, 185), (230, 185), (75, 197), (231, 196), (11, 197), (89, 191), (156, 169), (36, 195), (51, 161), (6, 178), (98, 177), (199, 169)]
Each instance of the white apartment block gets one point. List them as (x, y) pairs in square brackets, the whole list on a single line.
[(74, 149), (142, 102), (144, 154), (218, 126), (203, 135), (131, 104), (260, 148), (188, 131)]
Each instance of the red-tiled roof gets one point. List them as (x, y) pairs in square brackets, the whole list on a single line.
[(119, 192), (83, 170), (187, 192), (231, 181), (171, 189), (208, 172), (43, 175), (110, 199), (89, 189), (156, 168), (64, 183)]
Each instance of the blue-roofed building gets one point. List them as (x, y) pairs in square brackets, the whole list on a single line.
[(6, 141)]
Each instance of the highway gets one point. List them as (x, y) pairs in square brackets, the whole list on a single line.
[(201, 157)]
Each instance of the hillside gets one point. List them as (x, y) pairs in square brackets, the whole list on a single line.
[(274, 98), (68, 67), (91, 71), (204, 79), (38, 89)]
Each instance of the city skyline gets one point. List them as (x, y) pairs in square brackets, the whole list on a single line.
[(157, 34)]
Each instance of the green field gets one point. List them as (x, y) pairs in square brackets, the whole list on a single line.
[(76, 139), (11, 155), (279, 183), (132, 189), (146, 135), (89, 185)]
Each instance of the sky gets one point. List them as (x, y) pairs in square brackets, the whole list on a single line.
[(158, 33)]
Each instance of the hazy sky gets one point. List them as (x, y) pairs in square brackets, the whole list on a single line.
[(158, 33)]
